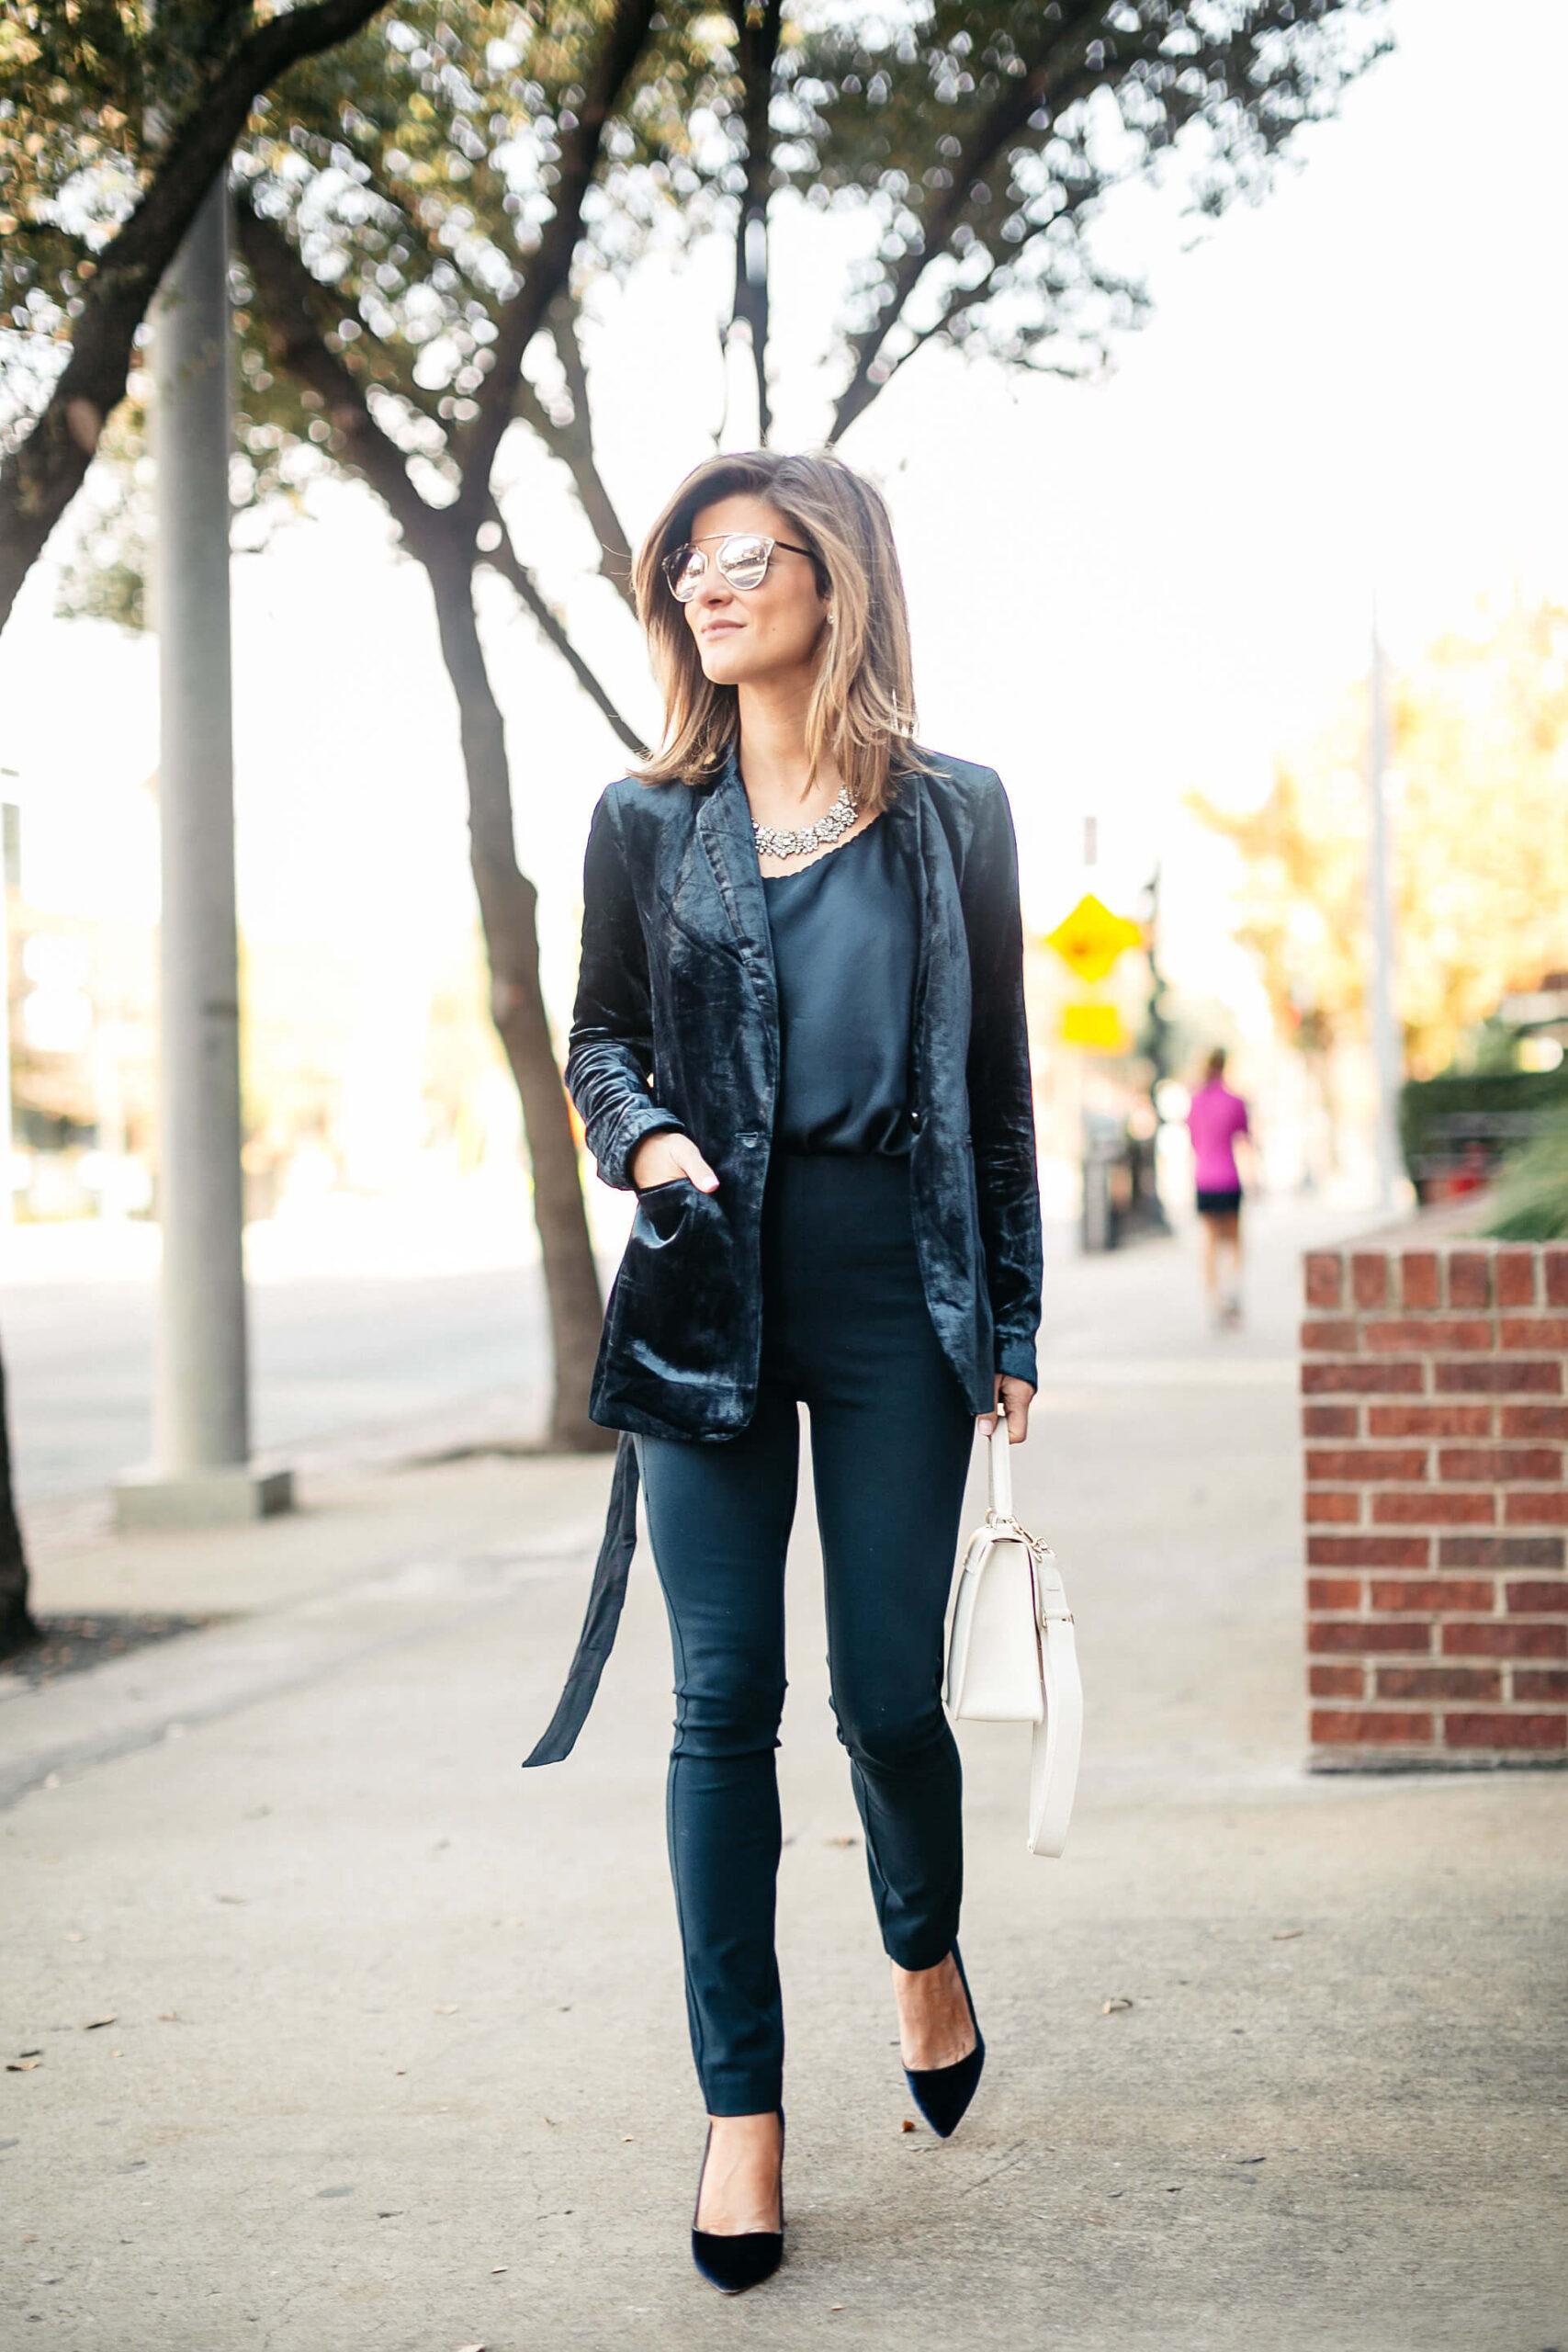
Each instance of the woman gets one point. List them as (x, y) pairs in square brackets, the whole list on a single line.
[(799, 1037), (1214, 1119)]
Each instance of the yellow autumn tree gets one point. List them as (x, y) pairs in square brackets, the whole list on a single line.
[(1478, 791)]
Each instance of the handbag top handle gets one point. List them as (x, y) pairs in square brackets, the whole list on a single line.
[(999, 1470)]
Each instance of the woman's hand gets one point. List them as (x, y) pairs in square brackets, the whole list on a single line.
[(666, 1154), (1014, 1398)]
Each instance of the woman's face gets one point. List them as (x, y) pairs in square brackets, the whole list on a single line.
[(744, 638)]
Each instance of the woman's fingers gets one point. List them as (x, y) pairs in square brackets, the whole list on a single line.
[(693, 1165), (1014, 1397)]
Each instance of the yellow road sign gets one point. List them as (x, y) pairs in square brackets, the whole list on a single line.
[(1091, 938), (1098, 1027)]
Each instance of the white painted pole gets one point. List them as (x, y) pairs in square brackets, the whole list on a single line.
[(1387, 1057), (202, 1414)]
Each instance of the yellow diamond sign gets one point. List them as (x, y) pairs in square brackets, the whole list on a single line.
[(1091, 938)]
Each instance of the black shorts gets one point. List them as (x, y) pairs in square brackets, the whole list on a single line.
[(1220, 1203)]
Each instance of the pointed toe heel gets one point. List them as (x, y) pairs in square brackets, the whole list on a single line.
[(734, 2263), (942, 2094)]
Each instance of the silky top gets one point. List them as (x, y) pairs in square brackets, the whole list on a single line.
[(846, 933), (1215, 1117)]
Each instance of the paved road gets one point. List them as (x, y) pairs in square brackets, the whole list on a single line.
[(396, 2061)]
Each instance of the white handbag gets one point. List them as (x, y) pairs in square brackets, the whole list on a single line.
[(1011, 1653)]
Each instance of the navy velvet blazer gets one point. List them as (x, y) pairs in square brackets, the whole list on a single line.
[(677, 1025)]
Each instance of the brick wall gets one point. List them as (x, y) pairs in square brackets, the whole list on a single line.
[(1434, 1419)]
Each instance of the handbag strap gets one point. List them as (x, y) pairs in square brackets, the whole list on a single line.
[(999, 1470)]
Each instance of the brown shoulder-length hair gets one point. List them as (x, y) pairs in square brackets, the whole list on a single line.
[(862, 712)]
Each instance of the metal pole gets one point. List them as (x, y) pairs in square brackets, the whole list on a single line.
[(201, 1417), (1387, 1057)]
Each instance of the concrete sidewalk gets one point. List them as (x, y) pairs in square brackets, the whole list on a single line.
[(398, 2057)]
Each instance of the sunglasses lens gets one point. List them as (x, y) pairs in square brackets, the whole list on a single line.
[(743, 560), (684, 571)]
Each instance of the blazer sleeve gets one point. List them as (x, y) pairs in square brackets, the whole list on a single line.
[(609, 1061), (1001, 1095)]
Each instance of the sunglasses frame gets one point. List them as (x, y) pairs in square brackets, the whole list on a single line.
[(677, 556)]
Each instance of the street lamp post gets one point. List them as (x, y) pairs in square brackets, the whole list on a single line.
[(1386, 1056), (201, 1472)]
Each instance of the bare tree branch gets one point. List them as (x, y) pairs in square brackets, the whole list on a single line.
[(549, 266), (758, 26), (505, 560), (39, 480), (572, 443)]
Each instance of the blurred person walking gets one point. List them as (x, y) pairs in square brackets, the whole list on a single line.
[(1215, 1119), (799, 1037)]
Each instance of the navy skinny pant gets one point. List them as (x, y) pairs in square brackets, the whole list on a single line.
[(846, 1331)]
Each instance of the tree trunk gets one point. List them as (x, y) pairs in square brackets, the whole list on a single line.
[(758, 31), (507, 912), (16, 1626)]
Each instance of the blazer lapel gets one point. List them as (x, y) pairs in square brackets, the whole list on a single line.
[(723, 828)]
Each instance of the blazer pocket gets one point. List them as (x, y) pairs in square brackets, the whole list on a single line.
[(673, 1307)]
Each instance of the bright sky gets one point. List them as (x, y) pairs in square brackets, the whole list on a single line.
[(1119, 590)]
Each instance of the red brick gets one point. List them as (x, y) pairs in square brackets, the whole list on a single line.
[(1333, 1592), (1341, 1681), (1500, 1552), (1470, 1278), (1554, 1269), (1498, 1640), (1419, 1284), (1369, 1279), (1364, 1379), (1515, 1277), (1498, 1379), (1471, 1331), (1506, 1731), (1341, 1420), (1536, 1599), (1529, 1682), (1357, 1728), (1432, 1593), (1369, 1551), (1429, 1420), (1366, 1463), (1501, 1376), (1539, 1507), (1544, 1334), (1322, 1278), (1357, 1637), (1434, 1509), (1479, 1683), (1530, 1420), (1500, 1462), (1329, 1506), (1341, 1338)]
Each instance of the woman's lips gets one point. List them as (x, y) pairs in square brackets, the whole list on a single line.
[(721, 629)]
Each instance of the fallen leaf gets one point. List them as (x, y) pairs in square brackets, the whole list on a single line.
[(498, 2270), (841, 1841), (906, 2125), (449, 2011), (232, 1898), (835, 2307), (1117, 2001), (91, 2025), (170, 2017), (470, 2348), (1287, 1935), (1252, 2160), (627, 2138), (22, 2065), (400, 2070)]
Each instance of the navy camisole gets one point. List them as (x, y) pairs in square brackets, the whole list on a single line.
[(845, 935)]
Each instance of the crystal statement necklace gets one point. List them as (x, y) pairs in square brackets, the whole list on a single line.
[(794, 842)]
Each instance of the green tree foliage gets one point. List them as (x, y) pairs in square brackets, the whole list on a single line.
[(114, 117), (1478, 793)]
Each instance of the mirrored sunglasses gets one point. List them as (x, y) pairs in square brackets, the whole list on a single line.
[(742, 559)]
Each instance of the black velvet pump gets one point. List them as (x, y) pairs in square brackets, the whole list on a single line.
[(733, 2264), (942, 2093)]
